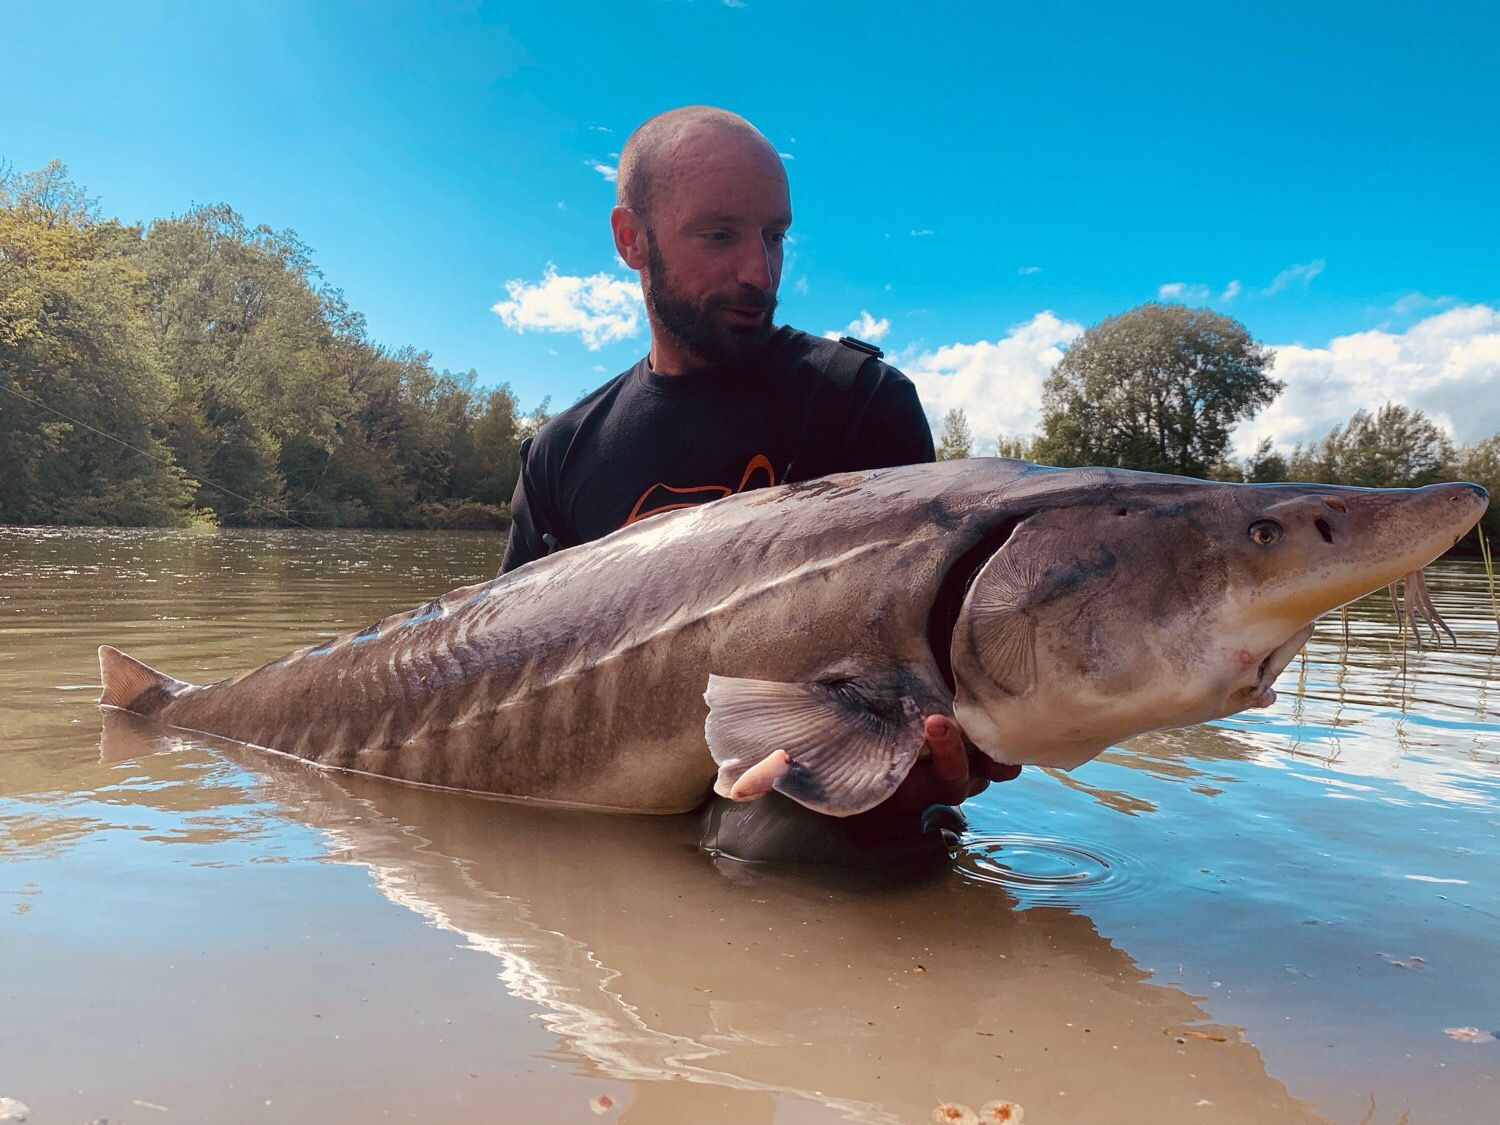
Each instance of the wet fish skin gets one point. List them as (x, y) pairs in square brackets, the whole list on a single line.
[(579, 679)]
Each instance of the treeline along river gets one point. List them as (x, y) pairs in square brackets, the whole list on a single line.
[(137, 364)]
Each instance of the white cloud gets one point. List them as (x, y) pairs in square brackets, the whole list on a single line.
[(601, 128), (599, 309), (1447, 365), (1182, 291), (999, 385), (1192, 292), (922, 233), (864, 327), (1303, 272), (561, 206), (800, 285), (1419, 303), (1027, 271), (786, 156), (735, 4), (608, 171)]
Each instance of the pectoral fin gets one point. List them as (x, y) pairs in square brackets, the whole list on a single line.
[(845, 751)]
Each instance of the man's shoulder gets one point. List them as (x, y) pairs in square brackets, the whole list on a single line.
[(834, 355), (845, 364)]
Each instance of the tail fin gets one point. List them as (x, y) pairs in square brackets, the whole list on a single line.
[(132, 686)]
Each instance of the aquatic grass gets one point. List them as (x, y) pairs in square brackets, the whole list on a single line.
[(1488, 556), (1400, 611)]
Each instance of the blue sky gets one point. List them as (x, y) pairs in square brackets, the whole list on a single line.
[(997, 175)]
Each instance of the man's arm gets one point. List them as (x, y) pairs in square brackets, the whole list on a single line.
[(527, 531), (889, 427)]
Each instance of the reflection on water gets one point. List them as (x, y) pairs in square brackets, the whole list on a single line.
[(654, 967), (1270, 919)]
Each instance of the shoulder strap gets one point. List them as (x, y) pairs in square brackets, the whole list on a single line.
[(839, 365)]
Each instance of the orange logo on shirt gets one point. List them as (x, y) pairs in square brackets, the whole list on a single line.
[(665, 498)]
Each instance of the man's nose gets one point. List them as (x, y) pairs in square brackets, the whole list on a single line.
[(756, 266)]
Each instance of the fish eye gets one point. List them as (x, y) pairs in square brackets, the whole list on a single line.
[(1265, 532)]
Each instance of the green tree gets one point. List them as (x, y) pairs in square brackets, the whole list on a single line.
[(241, 325), (1266, 465), (1396, 447), (1019, 448), (1157, 388), (214, 349), (1480, 463), (78, 362), (489, 460), (957, 442)]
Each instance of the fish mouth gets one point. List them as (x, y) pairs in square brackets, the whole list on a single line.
[(1261, 693)]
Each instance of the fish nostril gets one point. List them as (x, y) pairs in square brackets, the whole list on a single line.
[(1323, 529), (1336, 505)]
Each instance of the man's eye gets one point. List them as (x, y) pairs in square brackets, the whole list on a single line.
[(717, 235), (776, 237)]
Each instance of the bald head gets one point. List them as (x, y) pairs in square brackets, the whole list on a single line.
[(703, 210), (669, 145)]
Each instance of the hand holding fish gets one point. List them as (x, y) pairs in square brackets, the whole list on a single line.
[(948, 771)]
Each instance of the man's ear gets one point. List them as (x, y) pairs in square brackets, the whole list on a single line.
[(630, 236)]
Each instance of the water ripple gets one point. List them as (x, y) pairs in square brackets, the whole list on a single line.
[(1044, 872)]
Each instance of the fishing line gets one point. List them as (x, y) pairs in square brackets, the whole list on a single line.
[(151, 456)]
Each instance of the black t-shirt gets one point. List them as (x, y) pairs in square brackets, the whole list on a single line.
[(646, 443)]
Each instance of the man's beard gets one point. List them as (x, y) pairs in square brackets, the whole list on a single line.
[(695, 326)]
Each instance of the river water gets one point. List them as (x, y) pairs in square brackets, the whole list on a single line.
[(1277, 918)]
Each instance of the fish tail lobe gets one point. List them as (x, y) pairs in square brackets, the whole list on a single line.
[(133, 686)]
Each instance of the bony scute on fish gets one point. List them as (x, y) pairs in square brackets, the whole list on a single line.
[(794, 638)]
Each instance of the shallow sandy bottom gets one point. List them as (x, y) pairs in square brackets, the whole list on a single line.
[(1272, 919)]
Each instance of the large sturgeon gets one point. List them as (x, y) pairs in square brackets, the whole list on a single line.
[(799, 634)]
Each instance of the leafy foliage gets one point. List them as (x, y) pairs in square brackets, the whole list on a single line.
[(1018, 448), (957, 442), (74, 338), (1396, 447), (133, 361), (1157, 388)]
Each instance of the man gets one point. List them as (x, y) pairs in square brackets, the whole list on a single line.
[(725, 401)]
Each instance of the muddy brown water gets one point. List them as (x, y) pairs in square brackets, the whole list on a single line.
[(1272, 919)]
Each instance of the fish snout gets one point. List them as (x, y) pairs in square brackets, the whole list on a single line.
[(1454, 508), (1468, 492)]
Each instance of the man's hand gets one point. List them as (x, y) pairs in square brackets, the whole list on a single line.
[(949, 770)]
